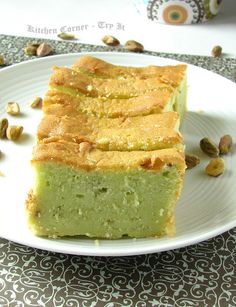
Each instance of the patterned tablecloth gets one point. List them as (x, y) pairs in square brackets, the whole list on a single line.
[(199, 275)]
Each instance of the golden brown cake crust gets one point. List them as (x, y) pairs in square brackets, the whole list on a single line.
[(112, 88), (59, 103), (61, 133), (83, 156), (114, 134), (171, 74)]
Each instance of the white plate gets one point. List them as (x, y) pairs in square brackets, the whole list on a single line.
[(207, 206)]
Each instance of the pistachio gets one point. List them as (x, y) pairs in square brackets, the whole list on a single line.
[(191, 160), (12, 108), (37, 102), (226, 144), (209, 147), (14, 132), (134, 46), (215, 167), (34, 44), (2, 60), (66, 36), (110, 40), (31, 49), (1, 174), (216, 51), (43, 49), (3, 127)]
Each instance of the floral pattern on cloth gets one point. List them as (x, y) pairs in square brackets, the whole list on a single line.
[(198, 275)]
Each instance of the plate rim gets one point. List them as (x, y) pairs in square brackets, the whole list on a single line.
[(107, 251)]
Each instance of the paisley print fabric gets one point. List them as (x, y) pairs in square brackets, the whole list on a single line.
[(182, 11), (199, 275)]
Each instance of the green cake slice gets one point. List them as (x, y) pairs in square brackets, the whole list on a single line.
[(84, 191), (106, 164)]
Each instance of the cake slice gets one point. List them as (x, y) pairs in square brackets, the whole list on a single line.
[(106, 165), (84, 191)]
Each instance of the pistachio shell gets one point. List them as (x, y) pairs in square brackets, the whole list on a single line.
[(14, 132), (191, 160), (36, 103), (12, 108), (44, 49), (2, 60), (3, 127), (216, 51), (110, 40), (66, 36), (226, 144), (134, 46), (209, 147), (215, 167)]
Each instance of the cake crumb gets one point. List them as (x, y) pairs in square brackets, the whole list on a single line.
[(53, 236), (161, 212), (97, 242), (85, 147), (89, 87), (36, 103)]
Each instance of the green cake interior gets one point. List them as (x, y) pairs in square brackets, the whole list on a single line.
[(117, 203), (180, 99)]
